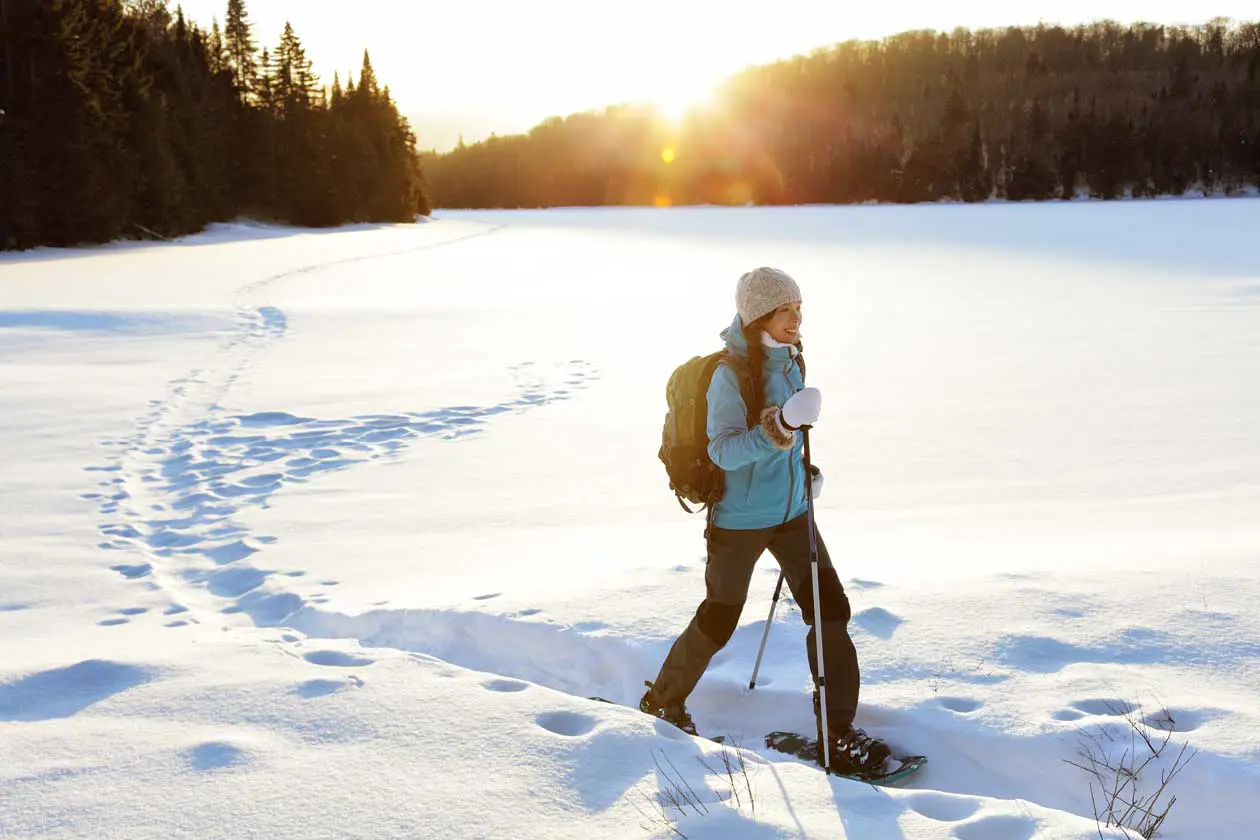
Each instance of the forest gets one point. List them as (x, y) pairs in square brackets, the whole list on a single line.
[(124, 120), (1018, 113)]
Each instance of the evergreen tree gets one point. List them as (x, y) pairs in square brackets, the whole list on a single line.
[(216, 51), (240, 47), (297, 85)]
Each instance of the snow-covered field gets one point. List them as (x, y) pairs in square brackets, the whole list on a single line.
[(330, 534)]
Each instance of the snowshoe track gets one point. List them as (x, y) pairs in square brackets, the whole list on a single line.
[(170, 491)]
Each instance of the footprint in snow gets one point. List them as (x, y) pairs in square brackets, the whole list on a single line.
[(336, 659), (505, 685), (1068, 715), (216, 755), (322, 688), (942, 807), (1163, 720), (233, 583), (568, 724), (132, 572), (878, 622), (961, 705), (1176, 720), (126, 613), (1102, 707), (1070, 612)]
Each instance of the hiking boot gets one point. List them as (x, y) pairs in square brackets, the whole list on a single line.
[(677, 715), (854, 753)]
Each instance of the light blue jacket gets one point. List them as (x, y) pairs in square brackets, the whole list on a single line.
[(765, 485)]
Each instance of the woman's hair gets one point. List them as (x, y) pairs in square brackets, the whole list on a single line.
[(757, 363)]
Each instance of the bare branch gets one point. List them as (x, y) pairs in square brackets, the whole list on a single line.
[(691, 796), (1123, 803)]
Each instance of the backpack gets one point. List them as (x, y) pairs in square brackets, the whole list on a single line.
[(685, 438)]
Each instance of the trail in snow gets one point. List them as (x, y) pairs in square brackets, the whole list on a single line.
[(170, 494)]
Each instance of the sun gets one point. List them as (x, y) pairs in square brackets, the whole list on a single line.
[(679, 99), (673, 107)]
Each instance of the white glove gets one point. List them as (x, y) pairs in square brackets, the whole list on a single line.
[(815, 482), (801, 409)]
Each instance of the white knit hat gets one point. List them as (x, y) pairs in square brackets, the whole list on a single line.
[(762, 291)]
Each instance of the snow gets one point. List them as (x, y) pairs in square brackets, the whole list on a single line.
[(332, 534)]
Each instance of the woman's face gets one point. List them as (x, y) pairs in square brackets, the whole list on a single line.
[(785, 324)]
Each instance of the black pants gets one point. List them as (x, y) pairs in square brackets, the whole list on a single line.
[(728, 573)]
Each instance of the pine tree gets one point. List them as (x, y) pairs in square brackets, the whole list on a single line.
[(297, 83), (216, 51), (240, 47), (338, 95), (265, 84), (368, 87)]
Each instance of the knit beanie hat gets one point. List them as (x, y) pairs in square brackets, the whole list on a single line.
[(762, 291)]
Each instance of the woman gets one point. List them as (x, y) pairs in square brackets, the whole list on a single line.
[(764, 507)]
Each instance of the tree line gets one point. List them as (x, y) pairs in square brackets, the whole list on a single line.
[(1045, 112), (122, 119)]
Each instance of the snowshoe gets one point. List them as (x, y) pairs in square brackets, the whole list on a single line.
[(854, 755)]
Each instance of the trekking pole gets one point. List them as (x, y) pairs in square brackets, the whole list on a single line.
[(774, 602), (813, 563)]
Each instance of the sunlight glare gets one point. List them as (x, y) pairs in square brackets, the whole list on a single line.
[(680, 99)]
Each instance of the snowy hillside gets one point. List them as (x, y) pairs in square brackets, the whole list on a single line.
[(332, 534)]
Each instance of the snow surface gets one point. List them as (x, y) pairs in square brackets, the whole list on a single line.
[(331, 534)]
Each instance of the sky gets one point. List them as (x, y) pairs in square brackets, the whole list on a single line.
[(504, 65)]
